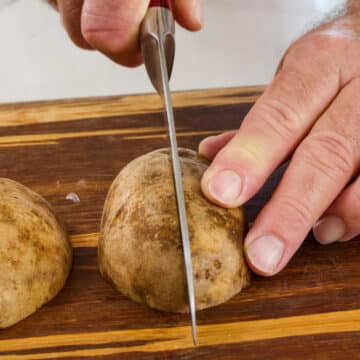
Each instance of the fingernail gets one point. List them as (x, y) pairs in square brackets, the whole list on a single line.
[(265, 253), (329, 230), (199, 11), (225, 187)]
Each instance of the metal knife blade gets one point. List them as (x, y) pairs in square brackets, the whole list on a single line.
[(158, 48)]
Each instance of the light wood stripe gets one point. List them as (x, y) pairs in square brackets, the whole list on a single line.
[(54, 138), (178, 338), (69, 110), (178, 134), (31, 143), (84, 240), (38, 138)]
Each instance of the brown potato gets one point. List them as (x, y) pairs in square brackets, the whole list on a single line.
[(140, 250), (35, 253)]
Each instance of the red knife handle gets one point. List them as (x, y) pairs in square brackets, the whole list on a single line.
[(160, 3)]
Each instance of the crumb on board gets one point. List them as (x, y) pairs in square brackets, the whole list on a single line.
[(73, 197)]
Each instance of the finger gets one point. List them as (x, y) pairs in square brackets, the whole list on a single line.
[(53, 3), (341, 222), (189, 13), (321, 167), (70, 11), (273, 128), (210, 146), (112, 27)]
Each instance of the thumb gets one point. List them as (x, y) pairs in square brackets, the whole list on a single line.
[(189, 13)]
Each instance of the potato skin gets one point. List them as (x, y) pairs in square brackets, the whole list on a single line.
[(35, 252), (140, 250)]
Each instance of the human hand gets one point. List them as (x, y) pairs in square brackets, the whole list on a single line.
[(311, 111), (112, 26)]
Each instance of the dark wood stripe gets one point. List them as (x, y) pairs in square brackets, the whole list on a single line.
[(178, 338), (20, 114), (96, 139)]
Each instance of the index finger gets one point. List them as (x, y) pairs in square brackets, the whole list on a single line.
[(300, 92)]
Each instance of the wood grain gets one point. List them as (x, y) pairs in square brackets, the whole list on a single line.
[(70, 110), (178, 338), (309, 311)]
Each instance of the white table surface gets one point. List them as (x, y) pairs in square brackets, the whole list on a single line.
[(241, 44)]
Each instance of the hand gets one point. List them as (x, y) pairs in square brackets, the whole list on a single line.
[(311, 111), (112, 26)]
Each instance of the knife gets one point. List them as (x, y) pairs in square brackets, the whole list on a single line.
[(158, 50)]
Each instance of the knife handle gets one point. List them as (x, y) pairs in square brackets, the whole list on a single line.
[(160, 3), (158, 31)]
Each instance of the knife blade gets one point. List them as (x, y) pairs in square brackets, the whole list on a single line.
[(158, 49)]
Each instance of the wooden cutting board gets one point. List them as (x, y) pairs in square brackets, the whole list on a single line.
[(309, 311)]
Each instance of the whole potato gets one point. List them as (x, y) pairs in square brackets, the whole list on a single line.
[(35, 253), (140, 249)]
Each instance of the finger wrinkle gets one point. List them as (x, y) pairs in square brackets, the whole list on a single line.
[(294, 211), (98, 22), (331, 153)]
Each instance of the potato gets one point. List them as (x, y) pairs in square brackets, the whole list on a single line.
[(35, 253), (140, 249)]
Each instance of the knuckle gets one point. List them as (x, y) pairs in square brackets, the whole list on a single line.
[(331, 153), (319, 48), (297, 82), (294, 211), (104, 33), (284, 110), (319, 55), (279, 118)]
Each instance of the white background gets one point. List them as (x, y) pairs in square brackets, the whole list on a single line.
[(241, 44)]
